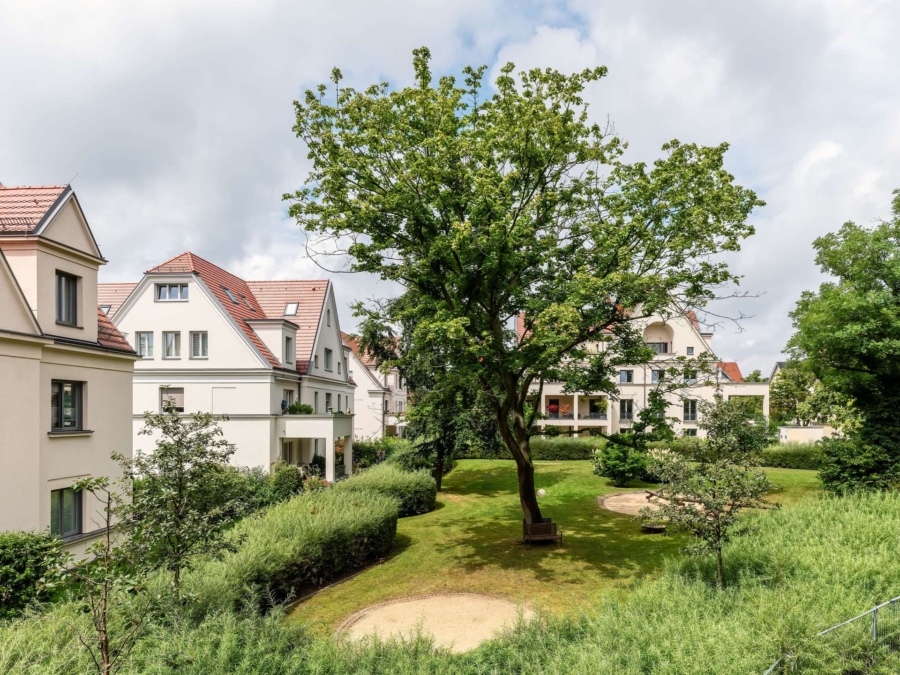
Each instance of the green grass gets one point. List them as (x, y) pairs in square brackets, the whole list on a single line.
[(471, 543)]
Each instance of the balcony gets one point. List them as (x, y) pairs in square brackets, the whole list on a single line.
[(560, 416), (593, 416)]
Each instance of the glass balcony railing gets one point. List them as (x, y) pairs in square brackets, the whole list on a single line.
[(592, 416), (560, 416)]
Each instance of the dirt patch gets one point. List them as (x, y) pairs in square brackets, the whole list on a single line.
[(629, 503), (460, 621)]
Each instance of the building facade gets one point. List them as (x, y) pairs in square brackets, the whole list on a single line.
[(212, 342), (65, 403), (678, 341), (380, 402)]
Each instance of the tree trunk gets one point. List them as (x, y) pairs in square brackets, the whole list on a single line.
[(516, 439), (527, 497), (720, 570)]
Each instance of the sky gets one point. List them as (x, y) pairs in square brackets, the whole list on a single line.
[(172, 119)]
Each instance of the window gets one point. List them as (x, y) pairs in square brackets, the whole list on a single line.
[(327, 402), (350, 374), (199, 344), (171, 397), (339, 367), (328, 316), (288, 396), (328, 355), (66, 299), (172, 345), (626, 409), (316, 402), (316, 360), (690, 351), (339, 403), (626, 376), (105, 308), (690, 432), (144, 344), (290, 309), (171, 292), (288, 350), (385, 405), (247, 302), (65, 512), (65, 406), (690, 377), (657, 376), (659, 347), (690, 410), (230, 295)]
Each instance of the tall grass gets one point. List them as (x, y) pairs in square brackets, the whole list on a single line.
[(802, 569)]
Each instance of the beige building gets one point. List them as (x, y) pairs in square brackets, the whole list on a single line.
[(677, 340), (66, 372), (807, 434), (216, 343), (380, 401)]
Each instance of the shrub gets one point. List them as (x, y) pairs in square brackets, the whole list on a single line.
[(416, 491), (793, 456), (298, 408), (318, 463), (566, 447), (850, 464), (621, 463), (285, 481), (25, 558), (365, 452), (306, 540)]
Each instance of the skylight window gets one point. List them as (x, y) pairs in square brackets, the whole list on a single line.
[(247, 302), (105, 308), (290, 309), (230, 295)]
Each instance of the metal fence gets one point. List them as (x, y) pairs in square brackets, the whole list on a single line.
[(857, 645)]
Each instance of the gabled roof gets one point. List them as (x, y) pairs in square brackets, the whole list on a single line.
[(113, 295), (23, 208), (731, 370), (273, 298), (108, 336), (365, 359), (217, 280)]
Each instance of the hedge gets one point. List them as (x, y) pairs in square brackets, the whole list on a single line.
[(308, 540), (414, 490), (552, 448), (25, 557), (793, 456), (365, 452)]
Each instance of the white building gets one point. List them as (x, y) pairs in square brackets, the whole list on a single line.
[(246, 349), (380, 402), (66, 372), (674, 338)]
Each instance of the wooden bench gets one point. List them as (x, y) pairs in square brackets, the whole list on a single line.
[(545, 531)]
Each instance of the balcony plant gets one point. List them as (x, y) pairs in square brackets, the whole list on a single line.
[(565, 410), (553, 409), (297, 408)]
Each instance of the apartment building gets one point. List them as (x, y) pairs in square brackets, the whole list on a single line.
[(380, 400), (212, 342), (677, 340), (66, 371)]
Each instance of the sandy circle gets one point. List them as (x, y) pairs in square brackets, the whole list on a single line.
[(629, 503), (460, 621)]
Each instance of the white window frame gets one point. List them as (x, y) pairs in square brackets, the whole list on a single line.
[(204, 344), (626, 403), (138, 347), (183, 293), (690, 410), (329, 359), (67, 286), (316, 402), (316, 361), (288, 349), (163, 395), (290, 309), (626, 377), (176, 343), (690, 351)]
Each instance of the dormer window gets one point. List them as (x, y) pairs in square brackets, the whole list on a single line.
[(230, 295), (290, 309), (171, 292)]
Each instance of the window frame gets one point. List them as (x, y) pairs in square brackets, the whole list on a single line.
[(629, 404), (328, 317), (658, 347), (137, 343), (657, 375), (68, 303), (329, 359), (689, 351), (230, 295), (328, 407), (288, 349), (162, 397), (690, 410), (691, 432), (57, 420), (316, 361), (60, 508), (176, 344), (287, 306), (183, 293), (626, 377), (203, 334)]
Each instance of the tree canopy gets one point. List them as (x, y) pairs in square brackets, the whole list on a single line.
[(488, 206)]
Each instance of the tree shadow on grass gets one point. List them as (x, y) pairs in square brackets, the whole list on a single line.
[(499, 480)]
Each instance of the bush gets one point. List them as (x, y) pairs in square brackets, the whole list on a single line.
[(318, 463), (416, 491), (850, 464), (307, 540), (365, 452), (285, 481), (297, 408), (793, 456), (621, 463), (25, 558)]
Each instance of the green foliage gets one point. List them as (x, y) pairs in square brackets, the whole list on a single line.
[(793, 456), (182, 497), (317, 463), (27, 561), (554, 448), (621, 463), (297, 408), (788, 391), (488, 206), (415, 457), (365, 452), (704, 493), (307, 540), (848, 335), (285, 481), (416, 491), (756, 376)]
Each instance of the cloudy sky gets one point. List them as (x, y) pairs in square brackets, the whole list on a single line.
[(172, 119)]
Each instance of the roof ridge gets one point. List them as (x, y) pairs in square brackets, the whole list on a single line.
[(283, 281), (173, 258), (32, 187)]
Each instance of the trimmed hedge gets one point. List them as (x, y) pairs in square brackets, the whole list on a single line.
[(308, 540), (416, 491), (793, 456), (553, 448)]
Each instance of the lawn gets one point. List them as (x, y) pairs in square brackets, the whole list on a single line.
[(470, 543)]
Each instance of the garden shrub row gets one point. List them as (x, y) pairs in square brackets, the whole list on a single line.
[(415, 491), (307, 540), (793, 456), (365, 452), (547, 448)]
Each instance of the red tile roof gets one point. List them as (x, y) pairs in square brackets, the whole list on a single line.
[(217, 280), (366, 359), (109, 336), (730, 368), (22, 208), (273, 297), (690, 314), (113, 295)]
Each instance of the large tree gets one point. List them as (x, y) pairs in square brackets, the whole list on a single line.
[(848, 334), (491, 206)]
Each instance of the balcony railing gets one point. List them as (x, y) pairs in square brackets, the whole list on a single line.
[(592, 416), (560, 416)]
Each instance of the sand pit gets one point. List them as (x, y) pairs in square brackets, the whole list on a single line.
[(629, 503), (460, 621)]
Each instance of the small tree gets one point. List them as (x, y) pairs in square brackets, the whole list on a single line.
[(704, 492), (112, 588), (27, 559), (182, 496)]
